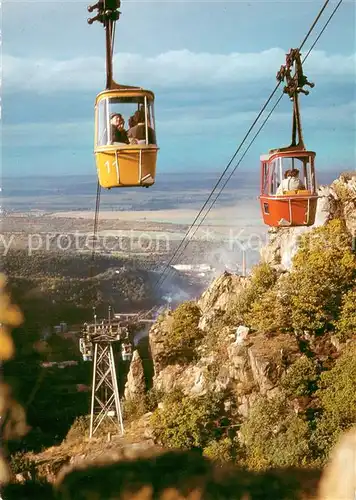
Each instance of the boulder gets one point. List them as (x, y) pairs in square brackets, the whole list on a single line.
[(190, 379), (136, 383)]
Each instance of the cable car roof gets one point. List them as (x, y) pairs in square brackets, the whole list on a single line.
[(287, 153), (125, 91)]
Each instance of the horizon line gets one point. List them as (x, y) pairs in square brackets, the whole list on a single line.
[(173, 172)]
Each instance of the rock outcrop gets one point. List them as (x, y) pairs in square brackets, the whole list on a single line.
[(218, 296), (245, 363), (157, 335), (136, 383)]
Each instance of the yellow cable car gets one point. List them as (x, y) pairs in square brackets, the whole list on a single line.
[(125, 145), (125, 157)]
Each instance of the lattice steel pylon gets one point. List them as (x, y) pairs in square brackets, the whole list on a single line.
[(97, 344), (105, 399)]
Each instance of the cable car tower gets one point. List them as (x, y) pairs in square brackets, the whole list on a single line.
[(97, 341), (125, 146), (97, 344), (287, 200)]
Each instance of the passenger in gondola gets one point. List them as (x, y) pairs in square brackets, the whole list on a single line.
[(291, 182), (137, 133), (118, 132), (132, 121)]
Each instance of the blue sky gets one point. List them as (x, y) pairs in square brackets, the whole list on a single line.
[(211, 65)]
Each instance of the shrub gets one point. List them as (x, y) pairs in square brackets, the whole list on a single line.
[(263, 278), (184, 335), (323, 270), (222, 451), (186, 422), (153, 397), (301, 378), (338, 403), (134, 408), (79, 429), (346, 324), (20, 462), (341, 189), (314, 295), (274, 436), (337, 388), (271, 313)]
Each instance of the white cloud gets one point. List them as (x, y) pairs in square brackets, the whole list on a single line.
[(48, 134), (173, 69), (80, 134)]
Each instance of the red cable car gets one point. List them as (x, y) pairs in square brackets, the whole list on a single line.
[(288, 185)]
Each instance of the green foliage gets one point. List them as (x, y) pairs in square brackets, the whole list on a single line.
[(153, 397), (337, 388), (52, 285), (79, 429), (184, 335), (263, 278), (20, 462), (315, 296), (274, 436), (346, 323), (221, 451), (301, 378), (37, 388), (186, 422), (337, 397), (323, 270), (270, 313), (135, 408)]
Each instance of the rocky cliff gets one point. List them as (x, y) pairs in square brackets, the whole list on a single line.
[(240, 358), (244, 362), (270, 346)]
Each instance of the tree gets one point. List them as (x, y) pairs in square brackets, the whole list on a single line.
[(184, 335)]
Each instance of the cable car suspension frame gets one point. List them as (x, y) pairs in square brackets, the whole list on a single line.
[(294, 86), (287, 201), (108, 14)]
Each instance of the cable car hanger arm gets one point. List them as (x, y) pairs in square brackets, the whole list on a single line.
[(294, 86), (108, 14)]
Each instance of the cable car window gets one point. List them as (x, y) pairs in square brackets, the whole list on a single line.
[(273, 176), (292, 174), (102, 137), (265, 177), (130, 121), (310, 181)]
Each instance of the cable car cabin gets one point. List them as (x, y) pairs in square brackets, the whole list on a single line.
[(125, 139), (288, 188)]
